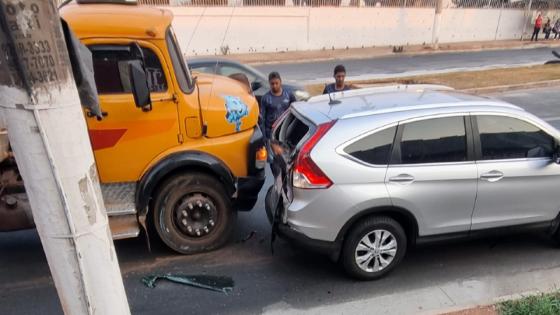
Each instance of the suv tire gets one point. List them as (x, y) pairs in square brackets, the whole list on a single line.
[(193, 214), (373, 248)]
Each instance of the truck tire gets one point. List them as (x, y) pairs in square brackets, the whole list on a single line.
[(193, 213), (373, 248)]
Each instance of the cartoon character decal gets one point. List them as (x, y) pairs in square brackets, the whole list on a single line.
[(235, 110)]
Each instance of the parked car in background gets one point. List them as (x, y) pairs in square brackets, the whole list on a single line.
[(258, 80), (371, 172)]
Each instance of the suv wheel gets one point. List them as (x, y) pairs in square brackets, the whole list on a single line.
[(373, 248), (193, 214)]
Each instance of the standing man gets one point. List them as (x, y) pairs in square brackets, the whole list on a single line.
[(537, 29), (339, 85), (547, 29), (274, 103)]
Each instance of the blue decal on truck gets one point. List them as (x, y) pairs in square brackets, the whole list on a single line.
[(235, 110)]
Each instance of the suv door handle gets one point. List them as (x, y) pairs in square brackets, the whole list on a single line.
[(402, 179), (492, 176)]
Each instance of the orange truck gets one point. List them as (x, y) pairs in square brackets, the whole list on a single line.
[(178, 158)]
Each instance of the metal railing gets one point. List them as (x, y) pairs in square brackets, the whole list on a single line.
[(295, 3), (447, 4)]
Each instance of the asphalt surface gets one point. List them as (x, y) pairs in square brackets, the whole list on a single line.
[(309, 72), (290, 278)]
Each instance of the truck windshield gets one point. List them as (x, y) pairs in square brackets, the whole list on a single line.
[(181, 70)]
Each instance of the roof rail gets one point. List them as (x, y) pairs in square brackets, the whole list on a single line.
[(380, 89), (431, 106)]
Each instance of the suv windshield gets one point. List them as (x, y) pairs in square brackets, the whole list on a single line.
[(181, 70)]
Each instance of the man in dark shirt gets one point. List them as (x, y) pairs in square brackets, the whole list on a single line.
[(339, 85), (274, 103)]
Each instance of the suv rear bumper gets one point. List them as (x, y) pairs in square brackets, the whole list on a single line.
[(248, 189), (332, 249)]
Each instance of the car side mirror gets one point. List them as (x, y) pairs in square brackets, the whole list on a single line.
[(139, 85), (556, 155), (255, 85)]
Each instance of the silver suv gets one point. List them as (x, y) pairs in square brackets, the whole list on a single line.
[(365, 174)]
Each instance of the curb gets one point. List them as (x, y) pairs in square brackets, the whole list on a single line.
[(493, 89), (390, 53), (505, 88), (415, 73)]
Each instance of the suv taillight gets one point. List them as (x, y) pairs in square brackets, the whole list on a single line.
[(307, 174)]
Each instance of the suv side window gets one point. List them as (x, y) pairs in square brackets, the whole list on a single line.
[(437, 140), (511, 138), (110, 66), (375, 148)]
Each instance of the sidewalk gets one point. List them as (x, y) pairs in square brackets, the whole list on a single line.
[(362, 53), (452, 298)]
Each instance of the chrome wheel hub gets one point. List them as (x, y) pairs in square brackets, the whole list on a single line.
[(376, 251)]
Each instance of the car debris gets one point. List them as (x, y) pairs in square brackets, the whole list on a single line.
[(213, 283), (554, 61), (248, 237)]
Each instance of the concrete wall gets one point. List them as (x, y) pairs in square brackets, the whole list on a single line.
[(462, 25), (202, 30)]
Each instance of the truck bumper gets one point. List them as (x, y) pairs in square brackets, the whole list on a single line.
[(248, 189)]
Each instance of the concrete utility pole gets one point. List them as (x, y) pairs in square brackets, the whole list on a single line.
[(437, 22), (40, 106)]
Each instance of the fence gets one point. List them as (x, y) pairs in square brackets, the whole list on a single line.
[(447, 4), (217, 27)]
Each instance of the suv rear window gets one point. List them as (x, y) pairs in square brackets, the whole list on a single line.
[(375, 148), (291, 130)]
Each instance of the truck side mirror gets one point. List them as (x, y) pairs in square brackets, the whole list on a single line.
[(139, 85)]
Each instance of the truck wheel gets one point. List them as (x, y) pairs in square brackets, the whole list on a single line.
[(373, 248), (193, 214)]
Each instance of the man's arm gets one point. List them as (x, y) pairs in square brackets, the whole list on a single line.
[(352, 86), (292, 97), (325, 90)]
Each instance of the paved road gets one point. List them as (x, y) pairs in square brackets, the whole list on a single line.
[(292, 280), (417, 64)]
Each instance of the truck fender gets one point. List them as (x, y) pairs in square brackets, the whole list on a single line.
[(169, 165)]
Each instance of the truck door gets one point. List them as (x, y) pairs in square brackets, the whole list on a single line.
[(129, 138)]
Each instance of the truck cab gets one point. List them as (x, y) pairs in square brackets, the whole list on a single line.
[(180, 160)]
